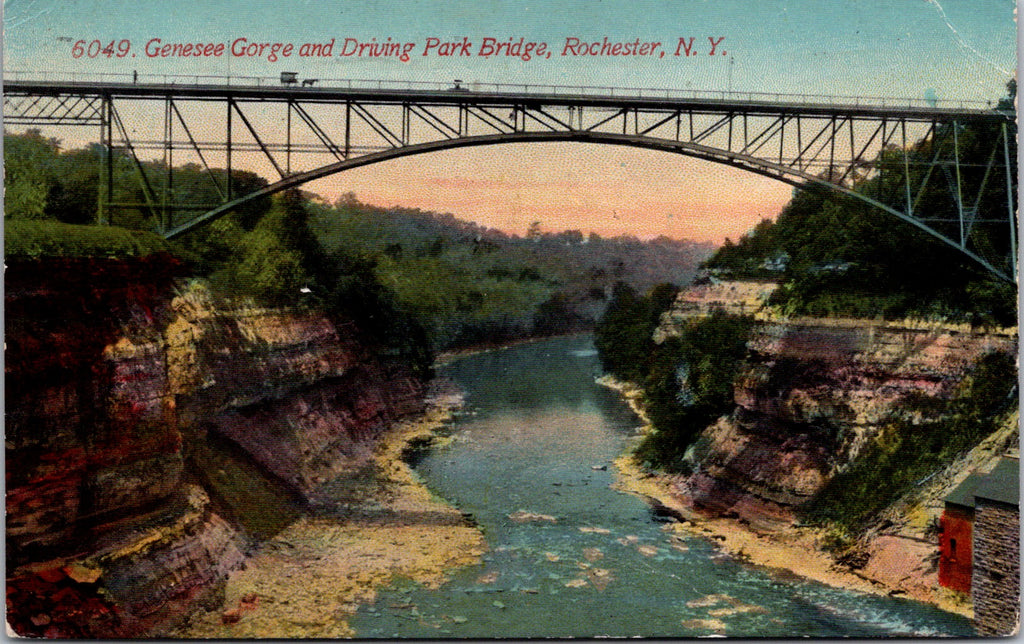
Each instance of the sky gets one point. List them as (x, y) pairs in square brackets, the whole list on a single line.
[(954, 49)]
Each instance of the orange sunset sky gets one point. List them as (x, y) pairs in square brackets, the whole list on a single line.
[(605, 189), (950, 49)]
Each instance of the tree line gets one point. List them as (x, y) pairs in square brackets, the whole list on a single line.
[(835, 254), (420, 281)]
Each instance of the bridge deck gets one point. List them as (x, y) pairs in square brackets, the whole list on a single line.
[(506, 95), (831, 141)]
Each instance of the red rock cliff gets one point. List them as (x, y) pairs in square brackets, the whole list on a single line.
[(811, 395), (117, 372)]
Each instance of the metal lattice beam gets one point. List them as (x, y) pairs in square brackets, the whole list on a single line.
[(836, 144)]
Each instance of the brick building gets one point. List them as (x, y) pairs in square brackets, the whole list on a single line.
[(979, 546)]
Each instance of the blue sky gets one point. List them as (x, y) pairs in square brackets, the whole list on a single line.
[(960, 49)]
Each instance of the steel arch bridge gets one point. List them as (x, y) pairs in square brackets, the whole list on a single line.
[(320, 127)]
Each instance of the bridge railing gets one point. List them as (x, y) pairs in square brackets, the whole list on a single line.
[(505, 88)]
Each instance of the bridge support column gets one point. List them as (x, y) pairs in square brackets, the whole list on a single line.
[(1010, 202), (166, 199), (105, 191)]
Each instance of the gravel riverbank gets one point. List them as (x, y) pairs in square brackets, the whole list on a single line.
[(308, 579), (796, 550)]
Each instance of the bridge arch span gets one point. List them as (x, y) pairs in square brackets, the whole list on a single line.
[(785, 137), (781, 172)]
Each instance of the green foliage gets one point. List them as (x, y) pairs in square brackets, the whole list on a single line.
[(689, 384), (359, 295), (281, 262), (268, 270), (25, 196), (463, 283), (272, 263), (687, 380), (841, 256), (714, 347), (467, 284), (26, 161), (31, 238), (905, 453), (211, 248), (557, 315), (836, 539), (623, 334), (42, 181)]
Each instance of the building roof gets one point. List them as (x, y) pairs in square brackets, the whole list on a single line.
[(963, 494), (1002, 484)]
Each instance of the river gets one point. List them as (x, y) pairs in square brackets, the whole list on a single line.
[(531, 459)]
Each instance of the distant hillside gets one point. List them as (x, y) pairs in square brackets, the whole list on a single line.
[(468, 283)]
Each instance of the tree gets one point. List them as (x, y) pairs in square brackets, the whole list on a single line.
[(24, 194), (533, 231), (848, 258), (28, 174), (74, 196), (280, 256), (623, 335), (357, 294), (268, 269)]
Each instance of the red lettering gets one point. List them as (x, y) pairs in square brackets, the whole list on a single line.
[(242, 48), (432, 43), (604, 47), (684, 47), (155, 51), (715, 42), (156, 48)]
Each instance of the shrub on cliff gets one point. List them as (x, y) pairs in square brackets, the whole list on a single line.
[(689, 384), (43, 238), (687, 380), (905, 453), (623, 335)]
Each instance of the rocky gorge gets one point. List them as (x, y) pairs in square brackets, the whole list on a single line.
[(812, 395), (182, 465), (155, 436)]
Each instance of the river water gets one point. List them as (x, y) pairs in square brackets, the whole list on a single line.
[(531, 460)]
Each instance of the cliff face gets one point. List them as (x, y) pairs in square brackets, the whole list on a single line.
[(300, 395), (122, 385), (811, 395), (90, 423)]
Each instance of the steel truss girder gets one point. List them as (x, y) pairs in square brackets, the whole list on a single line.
[(788, 174), (58, 109), (833, 147)]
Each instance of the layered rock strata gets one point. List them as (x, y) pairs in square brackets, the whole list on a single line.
[(811, 395), (130, 397), (301, 395)]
